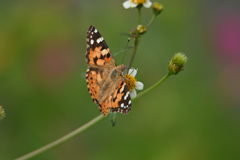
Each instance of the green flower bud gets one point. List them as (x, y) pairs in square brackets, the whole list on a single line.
[(141, 29), (2, 113), (157, 8), (177, 63)]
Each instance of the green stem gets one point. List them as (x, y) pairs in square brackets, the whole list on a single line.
[(134, 51), (139, 15), (150, 22), (154, 86), (63, 139), (82, 128)]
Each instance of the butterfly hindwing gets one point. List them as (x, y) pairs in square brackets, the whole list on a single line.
[(121, 101)]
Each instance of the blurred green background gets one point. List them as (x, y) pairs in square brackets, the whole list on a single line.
[(191, 116)]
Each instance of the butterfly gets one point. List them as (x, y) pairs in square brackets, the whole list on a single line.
[(105, 82)]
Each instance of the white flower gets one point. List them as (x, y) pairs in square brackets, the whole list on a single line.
[(132, 83), (133, 3)]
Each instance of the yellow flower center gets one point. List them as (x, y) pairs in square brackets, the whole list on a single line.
[(138, 1), (131, 82)]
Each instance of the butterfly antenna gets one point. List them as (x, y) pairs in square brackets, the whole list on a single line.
[(133, 70), (125, 50)]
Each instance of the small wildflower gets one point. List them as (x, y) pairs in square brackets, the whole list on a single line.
[(132, 83), (157, 8), (177, 63), (141, 29), (2, 113), (134, 3)]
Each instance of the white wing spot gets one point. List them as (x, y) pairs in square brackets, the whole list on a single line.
[(122, 105), (129, 102), (91, 36), (95, 30), (126, 96), (98, 40), (92, 41), (91, 32)]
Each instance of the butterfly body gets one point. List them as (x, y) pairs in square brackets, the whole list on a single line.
[(105, 82)]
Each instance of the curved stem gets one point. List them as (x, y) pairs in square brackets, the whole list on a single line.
[(154, 86), (137, 39), (62, 140), (82, 128), (150, 22)]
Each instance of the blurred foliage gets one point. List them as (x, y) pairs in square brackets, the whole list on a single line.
[(194, 115)]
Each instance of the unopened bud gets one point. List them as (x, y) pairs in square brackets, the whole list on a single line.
[(141, 29), (177, 63), (157, 8)]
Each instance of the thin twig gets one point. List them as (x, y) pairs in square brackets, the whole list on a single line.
[(154, 86), (137, 39), (62, 140)]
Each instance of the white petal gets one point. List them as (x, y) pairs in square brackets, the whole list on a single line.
[(128, 4), (132, 72), (147, 4), (139, 85), (133, 93)]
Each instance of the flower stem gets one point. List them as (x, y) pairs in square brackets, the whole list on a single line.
[(137, 39), (63, 139), (150, 22), (139, 15), (82, 128), (154, 86)]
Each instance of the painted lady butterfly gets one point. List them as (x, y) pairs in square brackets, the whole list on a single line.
[(105, 82)]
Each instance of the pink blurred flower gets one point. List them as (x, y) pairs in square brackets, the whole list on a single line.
[(226, 33)]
